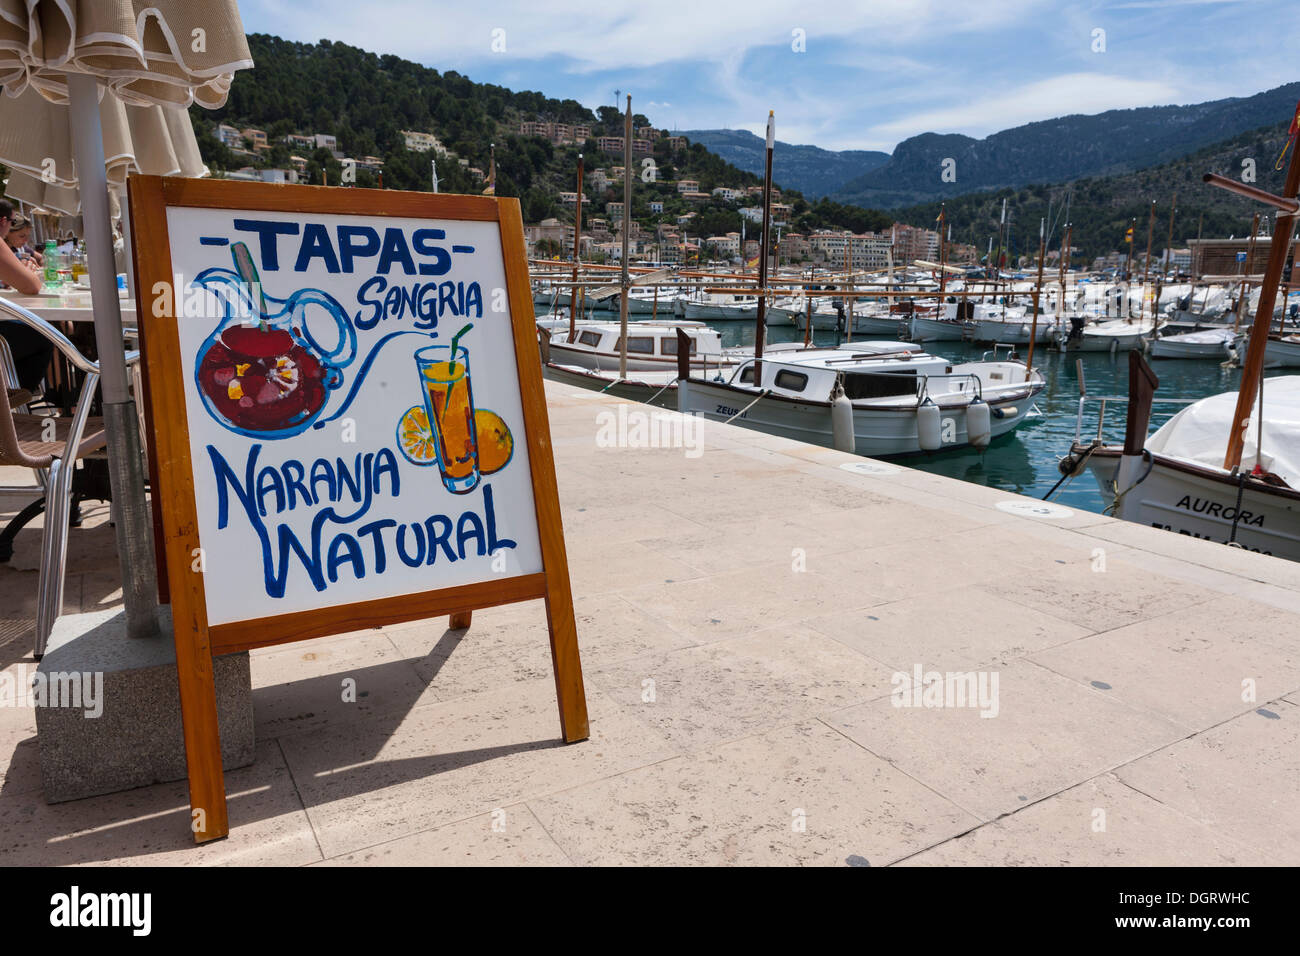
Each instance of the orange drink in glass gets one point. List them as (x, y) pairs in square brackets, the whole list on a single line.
[(449, 403)]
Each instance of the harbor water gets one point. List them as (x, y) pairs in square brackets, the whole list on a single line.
[(1025, 461)]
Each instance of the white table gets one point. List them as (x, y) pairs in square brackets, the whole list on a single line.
[(72, 307)]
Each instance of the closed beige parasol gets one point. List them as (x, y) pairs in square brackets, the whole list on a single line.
[(87, 54)]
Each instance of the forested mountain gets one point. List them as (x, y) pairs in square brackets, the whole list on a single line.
[(814, 171), (1101, 208), (1061, 149), (366, 99)]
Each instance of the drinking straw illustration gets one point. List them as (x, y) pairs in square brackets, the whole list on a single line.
[(455, 339), (248, 272)]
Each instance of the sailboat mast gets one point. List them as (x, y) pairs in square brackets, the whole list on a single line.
[(1146, 264), (943, 251), (1065, 252), (760, 325), (1038, 290), (577, 232), (1253, 371), (624, 284), (1245, 267)]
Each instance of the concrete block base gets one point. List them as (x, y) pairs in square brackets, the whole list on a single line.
[(111, 716)]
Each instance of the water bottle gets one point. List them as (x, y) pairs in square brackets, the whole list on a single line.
[(51, 254)]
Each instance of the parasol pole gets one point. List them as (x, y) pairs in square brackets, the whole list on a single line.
[(134, 527)]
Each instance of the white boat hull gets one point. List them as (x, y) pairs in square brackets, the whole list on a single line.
[(890, 326), (1179, 499), (878, 432), (721, 313), (1282, 354), (1201, 347), (658, 394), (924, 329), (1016, 332), (1113, 336)]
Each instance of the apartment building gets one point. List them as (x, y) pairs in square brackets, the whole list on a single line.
[(728, 245), (688, 186), (420, 142)]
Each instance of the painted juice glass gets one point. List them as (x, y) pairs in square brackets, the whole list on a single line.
[(449, 404)]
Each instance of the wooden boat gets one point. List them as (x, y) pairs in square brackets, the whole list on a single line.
[(1227, 467), (1214, 344)]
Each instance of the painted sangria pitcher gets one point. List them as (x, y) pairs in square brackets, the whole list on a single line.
[(261, 372)]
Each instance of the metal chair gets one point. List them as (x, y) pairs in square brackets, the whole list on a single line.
[(52, 444)]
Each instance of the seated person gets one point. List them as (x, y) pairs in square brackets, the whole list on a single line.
[(31, 350), (20, 240)]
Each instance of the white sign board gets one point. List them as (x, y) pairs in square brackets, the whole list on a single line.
[(340, 451)]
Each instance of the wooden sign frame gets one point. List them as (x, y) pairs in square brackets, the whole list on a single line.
[(174, 492)]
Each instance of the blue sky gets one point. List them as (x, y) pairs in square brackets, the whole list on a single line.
[(872, 72)]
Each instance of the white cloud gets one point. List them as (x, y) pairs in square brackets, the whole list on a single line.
[(1043, 99), (614, 35)]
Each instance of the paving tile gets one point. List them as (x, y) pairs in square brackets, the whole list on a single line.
[(1101, 822), (507, 646), (747, 542), (735, 688), (309, 684), (509, 836), (742, 602), (1048, 734), (940, 563), (1238, 778), (374, 780), (959, 629), (1078, 591), (151, 826), (799, 795), (1190, 666)]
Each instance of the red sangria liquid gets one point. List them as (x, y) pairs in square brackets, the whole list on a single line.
[(262, 380)]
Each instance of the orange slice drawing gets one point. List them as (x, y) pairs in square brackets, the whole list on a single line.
[(415, 438)]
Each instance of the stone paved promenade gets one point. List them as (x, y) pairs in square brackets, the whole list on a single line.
[(742, 614)]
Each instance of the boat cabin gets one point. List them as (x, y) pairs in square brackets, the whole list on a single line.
[(868, 370)]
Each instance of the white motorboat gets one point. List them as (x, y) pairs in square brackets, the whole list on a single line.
[(877, 398), (657, 388), (945, 326), (1281, 352), (1216, 344), (1010, 325), (1115, 335), (650, 346), (879, 322)]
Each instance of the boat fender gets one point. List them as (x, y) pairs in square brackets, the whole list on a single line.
[(928, 432), (1007, 412), (979, 429), (842, 421)]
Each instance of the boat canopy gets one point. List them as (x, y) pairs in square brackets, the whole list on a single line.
[(1199, 433)]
